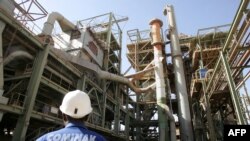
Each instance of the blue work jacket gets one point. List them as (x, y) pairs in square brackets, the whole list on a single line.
[(72, 132)]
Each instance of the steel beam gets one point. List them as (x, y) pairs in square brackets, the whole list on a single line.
[(23, 121), (2, 26), (105, 67), (117, 109), (233, 92), (236, 22), (208, 107)]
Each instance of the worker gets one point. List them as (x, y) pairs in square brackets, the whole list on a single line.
[(76, 107)]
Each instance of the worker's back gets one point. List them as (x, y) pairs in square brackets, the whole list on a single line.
[(72, 132)]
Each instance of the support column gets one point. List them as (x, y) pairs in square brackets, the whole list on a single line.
[(209, 115), (117, 110), (81, 83), (233, 92), (3, 100), (24, 118), (180, 81), (105, 67), (2, 26), (127, 118)]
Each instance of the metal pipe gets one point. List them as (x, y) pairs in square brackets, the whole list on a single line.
[(114, 77), (2, 26), (180, 82), (65, 24), (163, 109), (110, 76), (16, 54)]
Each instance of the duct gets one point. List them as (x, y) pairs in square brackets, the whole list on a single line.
[(65, 24), (16, 54), (180, 82), (107, 75)]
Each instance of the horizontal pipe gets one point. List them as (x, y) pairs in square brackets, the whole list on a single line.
[(110, 76)]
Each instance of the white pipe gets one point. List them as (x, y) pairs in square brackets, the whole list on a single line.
[(163, 109), (139, 74), (16, 54), (2, 26), (180, 82), (65, 24), (114, 77)]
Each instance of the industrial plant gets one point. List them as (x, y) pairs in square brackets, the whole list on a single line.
[(186, 94)]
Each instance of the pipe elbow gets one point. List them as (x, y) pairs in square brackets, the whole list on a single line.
[(64, 23)]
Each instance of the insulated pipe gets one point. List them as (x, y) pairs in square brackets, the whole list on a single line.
[(163, 110), (180, 82), (110, 76), (16, 54), (2, 26), (65, 24)]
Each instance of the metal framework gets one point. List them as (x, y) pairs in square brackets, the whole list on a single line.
[(36, 75), (220, 60), (140, 54), (37, 70)]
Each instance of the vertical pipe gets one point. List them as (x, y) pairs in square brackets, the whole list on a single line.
[(156, 25), (180, 82), (233, 92)]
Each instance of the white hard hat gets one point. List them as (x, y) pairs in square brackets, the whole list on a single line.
[(76, 104)]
